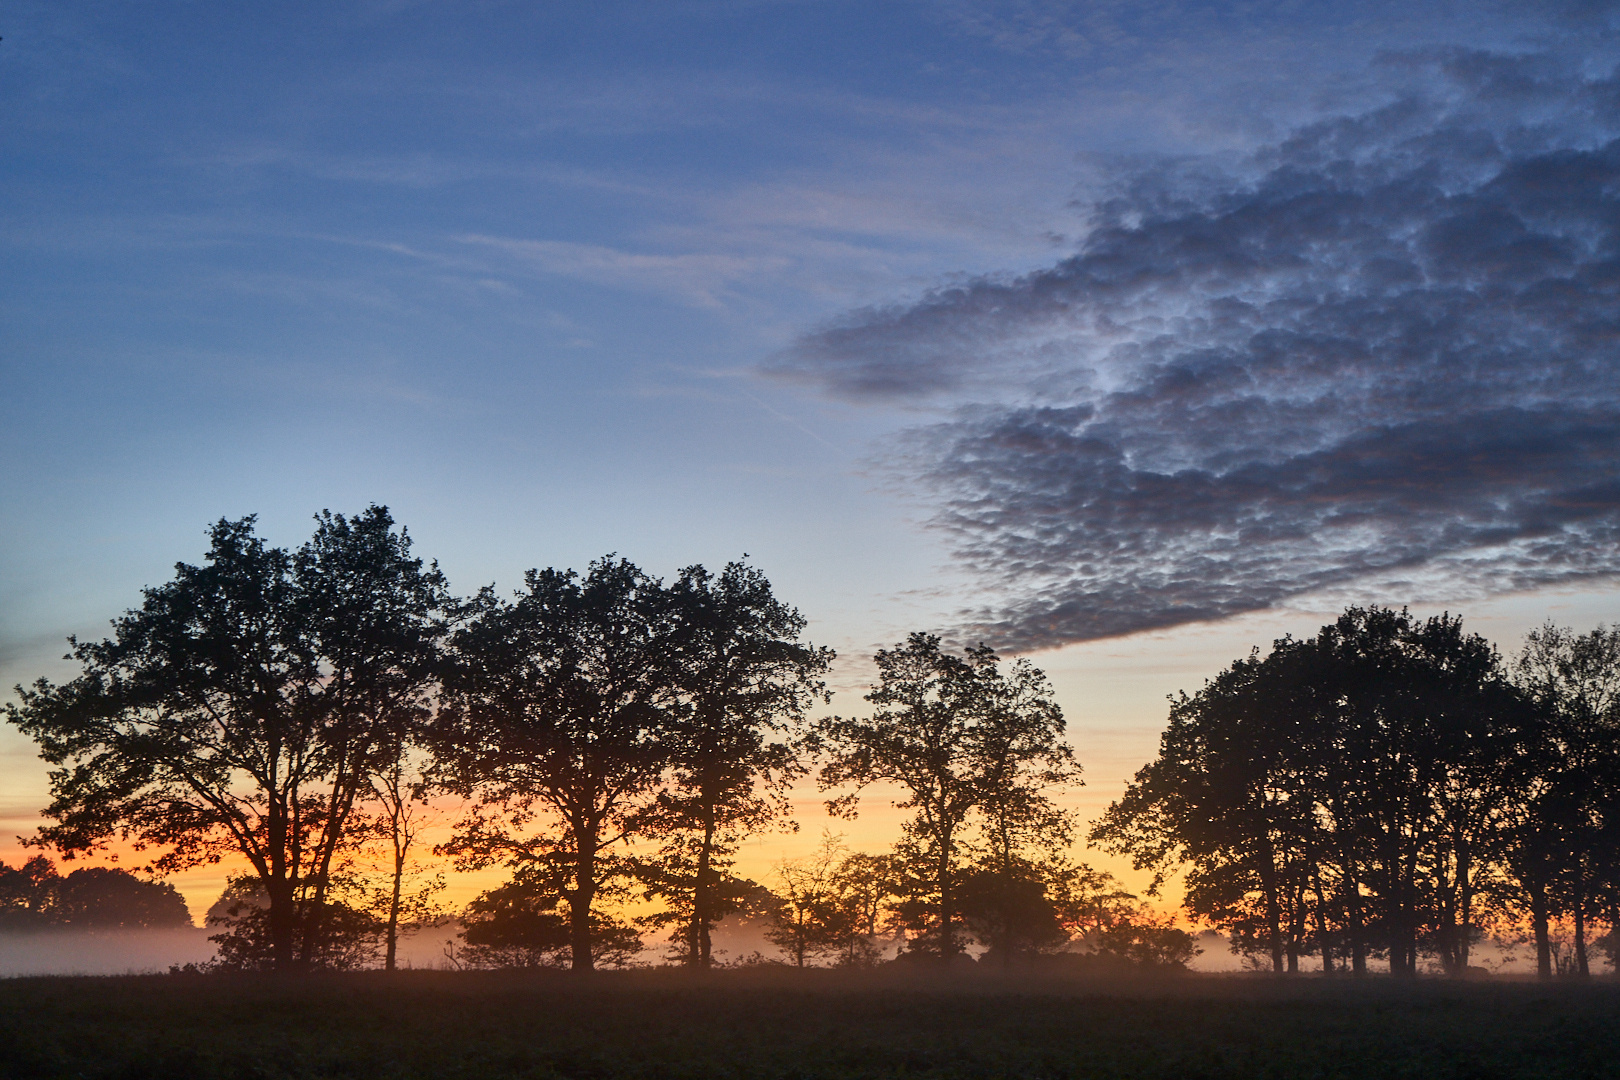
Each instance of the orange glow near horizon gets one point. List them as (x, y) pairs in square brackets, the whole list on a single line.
[(1112, 692), (874, 830)]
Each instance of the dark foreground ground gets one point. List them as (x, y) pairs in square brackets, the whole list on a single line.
[(798, 1024)]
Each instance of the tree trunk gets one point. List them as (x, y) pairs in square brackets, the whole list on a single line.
[(579, 907), (947, 947), (1325, 942), (1581, 968), (1298, 927), (393, 907), (1353, 927), (282, 917), (339, 806), (1268, 886), (1322, 937), (703, 894), (1538, 920), (1445, 936), (1004, 835), (283, 920), (1403, 931), (1465, 903)]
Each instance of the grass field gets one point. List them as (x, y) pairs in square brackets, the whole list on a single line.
[(798, 1024)]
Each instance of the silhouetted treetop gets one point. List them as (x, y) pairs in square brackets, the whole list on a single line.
[(34, 896), (240, 710)]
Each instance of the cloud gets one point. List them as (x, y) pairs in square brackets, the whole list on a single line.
[(700, 279), (1386, 347)]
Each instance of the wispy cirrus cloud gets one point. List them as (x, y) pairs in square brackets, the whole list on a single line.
[(1385, 347), (701, 278)]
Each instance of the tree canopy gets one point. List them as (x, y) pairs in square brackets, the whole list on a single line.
[(1382, 789), (1389, 788), (970, 746), (240, 710)]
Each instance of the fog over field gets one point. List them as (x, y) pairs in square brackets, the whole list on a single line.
[(133, 952)]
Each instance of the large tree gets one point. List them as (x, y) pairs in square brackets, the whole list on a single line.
[(967, 744), (557, 723), (239, 711), (376, 618), (1567, 860), (1353, 790), (746, 681), (1214, 800)]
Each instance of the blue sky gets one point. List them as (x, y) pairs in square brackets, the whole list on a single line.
[(811, 281)]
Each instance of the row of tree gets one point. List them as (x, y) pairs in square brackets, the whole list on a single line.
[(836, 906), (1392, 788), (34, 896), (1388, 788), (609, 734)]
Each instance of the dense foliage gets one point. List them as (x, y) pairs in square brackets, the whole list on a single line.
[(34, 896), (1390, 788), (243, 709)]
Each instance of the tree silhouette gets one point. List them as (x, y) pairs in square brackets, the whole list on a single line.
[(399, 794), (557, 722), (238, 710), (1569, 850), (1206, 801), (34, 896), (376, 619), (348, 937), (808, 921), (519, 925), (1022, 833), (745, 682), (831, 905), (1354, 792), (960, 738), (1007, 908), (28, 894)]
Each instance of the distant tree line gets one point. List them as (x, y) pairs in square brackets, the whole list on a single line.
[(1393, 788), (613, 737), (34, 896)]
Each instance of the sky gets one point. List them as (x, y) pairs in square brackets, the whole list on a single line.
[(1125, 335)]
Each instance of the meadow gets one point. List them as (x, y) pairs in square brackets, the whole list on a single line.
[(800, 1024)]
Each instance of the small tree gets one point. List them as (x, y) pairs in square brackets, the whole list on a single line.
[(865, 886), (1008, 909), (831, 905), (402, 812), (808, 922), (961, 738), (345, 937), (1101, 918), (673, 875), (521, 924)]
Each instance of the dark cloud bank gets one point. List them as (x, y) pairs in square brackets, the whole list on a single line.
[(1385, 349)]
